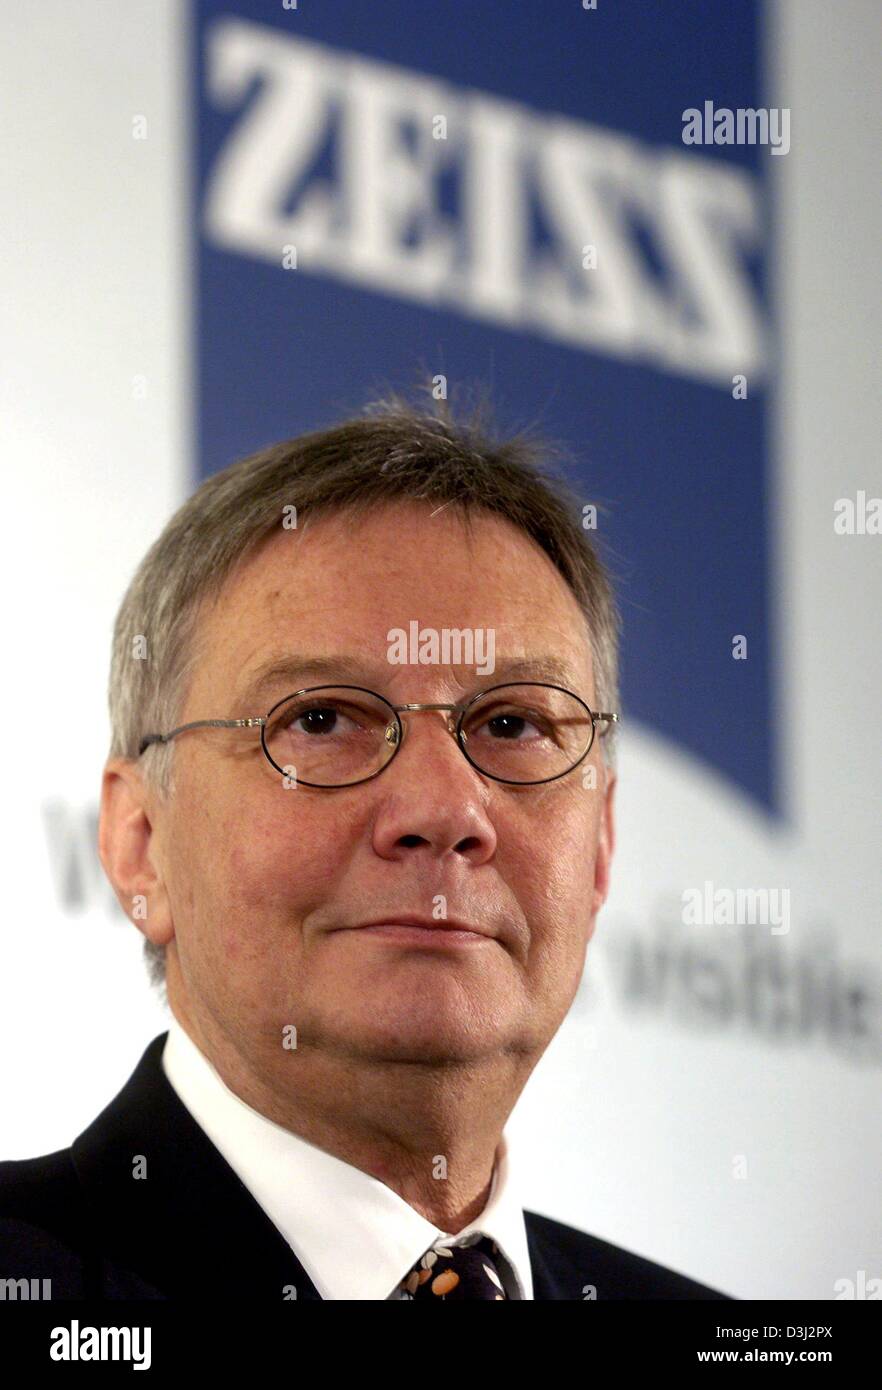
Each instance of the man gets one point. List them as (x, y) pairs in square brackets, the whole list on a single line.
[(359, 801)]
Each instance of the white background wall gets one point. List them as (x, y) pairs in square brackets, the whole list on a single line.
[(634, 1125)]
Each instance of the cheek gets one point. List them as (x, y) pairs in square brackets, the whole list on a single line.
[(560, 841), (284, 865), (553, 875)]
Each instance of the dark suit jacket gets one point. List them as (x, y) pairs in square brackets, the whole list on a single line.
[(191, 1229)]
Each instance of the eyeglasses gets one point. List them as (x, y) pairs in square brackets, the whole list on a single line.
[(340, 735)]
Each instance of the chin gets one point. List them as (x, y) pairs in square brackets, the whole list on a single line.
[(421, 1034)]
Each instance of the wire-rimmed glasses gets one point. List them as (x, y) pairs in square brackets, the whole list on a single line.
[(328, 736)]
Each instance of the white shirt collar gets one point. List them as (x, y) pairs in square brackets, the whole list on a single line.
[(354, 1236)]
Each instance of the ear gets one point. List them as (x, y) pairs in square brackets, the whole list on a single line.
[(606, 841), (129, 849)]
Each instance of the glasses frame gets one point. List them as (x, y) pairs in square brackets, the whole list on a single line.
[(460, 710)]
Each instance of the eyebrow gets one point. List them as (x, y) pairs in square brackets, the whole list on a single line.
[(300, 670)]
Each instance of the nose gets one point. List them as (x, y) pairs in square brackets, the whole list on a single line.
[(432, 801)]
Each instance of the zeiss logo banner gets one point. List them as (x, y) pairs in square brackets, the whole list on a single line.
[(567, 204)]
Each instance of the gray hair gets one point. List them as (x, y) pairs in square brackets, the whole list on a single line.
[(394, 451)]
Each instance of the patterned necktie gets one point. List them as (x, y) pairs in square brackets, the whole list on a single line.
[(447, 1273)]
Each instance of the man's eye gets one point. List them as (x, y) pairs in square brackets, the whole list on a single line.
[(317, 721), (515, 725)]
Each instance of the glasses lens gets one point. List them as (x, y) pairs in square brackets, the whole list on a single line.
[(527, 733), (331, 736)]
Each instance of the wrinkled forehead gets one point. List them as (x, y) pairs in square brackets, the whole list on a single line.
[(402, 586)]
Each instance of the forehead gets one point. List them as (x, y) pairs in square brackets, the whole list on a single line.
[(340, 583)]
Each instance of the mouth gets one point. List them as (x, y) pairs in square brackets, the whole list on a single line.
[(411, 931)]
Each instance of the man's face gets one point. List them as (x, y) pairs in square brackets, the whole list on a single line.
[(263, 884)]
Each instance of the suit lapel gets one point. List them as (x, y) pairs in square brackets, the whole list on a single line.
[(546, 1284), (188, 1226)]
